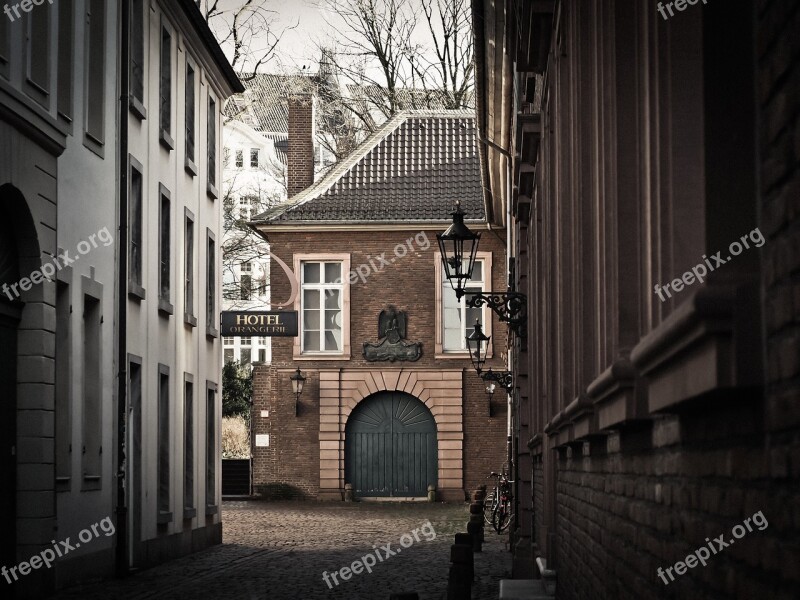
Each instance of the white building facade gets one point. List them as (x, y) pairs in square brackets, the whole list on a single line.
[(110, 219)]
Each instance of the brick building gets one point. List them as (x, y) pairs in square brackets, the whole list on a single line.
[(391, 403), (628, 146)]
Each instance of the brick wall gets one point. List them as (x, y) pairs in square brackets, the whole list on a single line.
[(292, 462), (647, 495), (289, 467), (643, 494), (300, 152)]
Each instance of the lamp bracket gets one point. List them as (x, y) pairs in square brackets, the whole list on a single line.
[(503, 378), (510, 307)]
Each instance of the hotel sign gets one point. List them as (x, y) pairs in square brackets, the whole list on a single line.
[(260, 323)]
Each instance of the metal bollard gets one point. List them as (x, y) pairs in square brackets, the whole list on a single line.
[(461, 553), (475, 530)]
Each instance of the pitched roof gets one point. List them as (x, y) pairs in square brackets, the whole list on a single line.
[(264, 105), (412, 169)]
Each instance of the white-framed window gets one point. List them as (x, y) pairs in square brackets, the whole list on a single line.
[(254, 158), (246, 280), (458, 319), (321, 299), (245, 350), (249, 207), (455, 321)]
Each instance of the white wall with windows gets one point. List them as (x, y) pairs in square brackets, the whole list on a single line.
[(173, 299)]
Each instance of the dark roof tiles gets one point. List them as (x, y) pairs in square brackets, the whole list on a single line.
[(413, 168)]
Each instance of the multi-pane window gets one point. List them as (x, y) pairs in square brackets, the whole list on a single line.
[(211, 446), (63, 417), (188, 446), (164, 250), (65, 53), (249, 206), (4, 47), (188, 277), (239, 159), (246, 280), (262, 354), (212, 142), (95, 66), (457, 319), (92, 394), (246, 356), (228, 352), (165, 87), (38, 46), (253, 158), (189, 112), (137, 50), (226, 156), (211, 282), (245, 350), (135, 227), (164, 514), (321, 306)]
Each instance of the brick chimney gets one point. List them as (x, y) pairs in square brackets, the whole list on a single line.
[(300, 153)]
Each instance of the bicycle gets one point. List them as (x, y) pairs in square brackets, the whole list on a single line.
[(497, 506)]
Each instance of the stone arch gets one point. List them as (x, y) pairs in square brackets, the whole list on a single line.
[(33, 372), (441, 390)]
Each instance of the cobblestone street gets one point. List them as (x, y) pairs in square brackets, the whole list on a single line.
[(279, 551)]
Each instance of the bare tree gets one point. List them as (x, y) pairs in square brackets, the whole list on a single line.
[(245, 29), (450, 25), (387, 61)]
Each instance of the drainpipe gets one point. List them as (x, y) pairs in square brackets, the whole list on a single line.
[(509, 357), (122, 299), (509, 251)]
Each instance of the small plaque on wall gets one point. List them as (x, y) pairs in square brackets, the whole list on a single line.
[(262, 440)]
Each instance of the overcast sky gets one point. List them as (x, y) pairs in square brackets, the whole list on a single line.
[(306, 24), (298, 45)]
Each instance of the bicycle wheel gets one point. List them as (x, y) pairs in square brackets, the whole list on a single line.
[(488, 507), (503, 517)]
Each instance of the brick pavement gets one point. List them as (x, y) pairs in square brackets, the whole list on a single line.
[(279, 551)]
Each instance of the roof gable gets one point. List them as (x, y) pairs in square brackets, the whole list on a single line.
[(412, 169)]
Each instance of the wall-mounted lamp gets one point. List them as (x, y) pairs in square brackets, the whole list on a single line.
[(477, 345), (459, 246), (490, 391), (298, 381), (503, 378)]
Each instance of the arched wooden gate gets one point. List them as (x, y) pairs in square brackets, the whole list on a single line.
[(391, 447)]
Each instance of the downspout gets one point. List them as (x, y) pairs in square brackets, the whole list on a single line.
[(122, 296), (509, 354)]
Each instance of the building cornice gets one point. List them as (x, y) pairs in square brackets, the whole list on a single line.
[(316, 226), (31, 120)]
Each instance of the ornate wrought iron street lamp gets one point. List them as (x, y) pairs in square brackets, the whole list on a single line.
[(503, 378), (298, 382), (459, 247), (477, 345)]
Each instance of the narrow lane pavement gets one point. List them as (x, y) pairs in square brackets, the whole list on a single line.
[(280, 550)]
